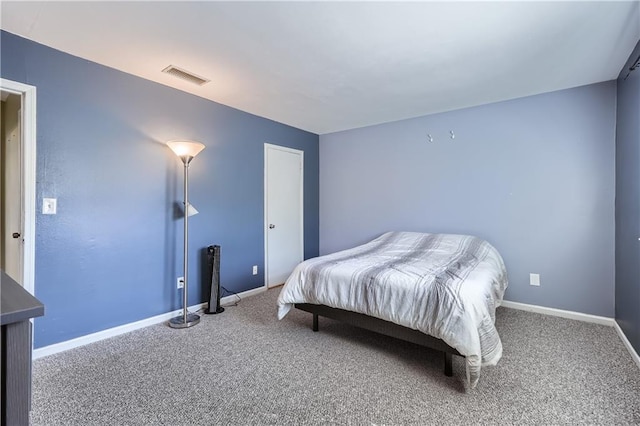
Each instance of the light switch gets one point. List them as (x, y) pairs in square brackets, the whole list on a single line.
[(49, 205)]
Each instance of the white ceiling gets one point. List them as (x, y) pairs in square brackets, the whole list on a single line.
[(330, 66)]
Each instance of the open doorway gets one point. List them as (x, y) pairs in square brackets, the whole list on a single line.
[(11, 242), (17, 182)]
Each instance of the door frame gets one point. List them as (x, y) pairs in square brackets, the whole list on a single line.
[(267, 147), (27, 94)]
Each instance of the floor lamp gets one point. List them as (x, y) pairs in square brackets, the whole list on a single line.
[(186, 150)]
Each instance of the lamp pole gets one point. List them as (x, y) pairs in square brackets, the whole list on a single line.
[(186, 150), (185, 266)]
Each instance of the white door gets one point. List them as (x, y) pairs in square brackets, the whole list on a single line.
[(284, 239), (11, 188)]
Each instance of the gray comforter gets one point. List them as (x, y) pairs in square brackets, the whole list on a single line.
[(447, 286)]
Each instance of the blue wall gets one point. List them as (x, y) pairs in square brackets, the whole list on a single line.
[(628, 202), (533, 176), (112, 253)]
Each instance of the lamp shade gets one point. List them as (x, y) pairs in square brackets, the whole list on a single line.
[(191, 211), (185, 149)]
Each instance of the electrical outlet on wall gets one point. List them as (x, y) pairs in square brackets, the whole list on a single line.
[(180, 282), (255, 269), (534, 279)]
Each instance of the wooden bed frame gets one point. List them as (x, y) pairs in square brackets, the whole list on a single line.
[(384, 327)]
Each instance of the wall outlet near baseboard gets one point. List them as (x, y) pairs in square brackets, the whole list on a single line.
[(180, 283), (534, 279), (255, 269)]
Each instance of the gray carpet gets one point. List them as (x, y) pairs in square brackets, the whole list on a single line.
[(245, 367)]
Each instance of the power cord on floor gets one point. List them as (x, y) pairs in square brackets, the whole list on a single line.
[(233, 293), (229, 292)]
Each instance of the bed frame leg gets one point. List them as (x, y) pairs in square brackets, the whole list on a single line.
[(315, 322), (448, 364)]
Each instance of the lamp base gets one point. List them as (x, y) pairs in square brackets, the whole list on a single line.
[(178, 322)]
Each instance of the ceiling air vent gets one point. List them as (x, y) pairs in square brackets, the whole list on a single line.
[(185, 75)]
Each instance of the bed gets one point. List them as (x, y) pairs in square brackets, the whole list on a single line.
[(437, 290)]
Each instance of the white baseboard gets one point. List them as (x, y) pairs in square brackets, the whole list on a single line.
[(627, 343), (559, 313), (126, 328), (577, 316)]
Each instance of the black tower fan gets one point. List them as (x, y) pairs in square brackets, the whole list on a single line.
[(213, 255)]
